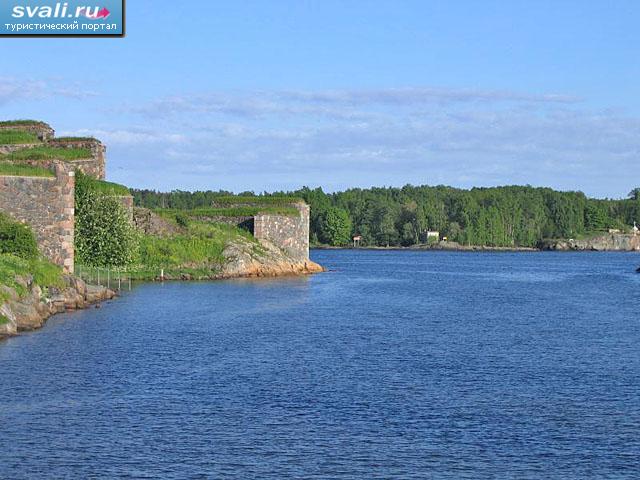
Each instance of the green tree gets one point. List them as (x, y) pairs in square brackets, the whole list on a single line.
[(336, 227), (595, 216), (103, 234)]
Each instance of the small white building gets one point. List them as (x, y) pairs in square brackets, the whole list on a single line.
[(635, 229), (433, 235)]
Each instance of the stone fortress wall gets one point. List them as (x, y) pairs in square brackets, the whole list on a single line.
[(43, 131), (95, 166), (48, 204), (290, 233)]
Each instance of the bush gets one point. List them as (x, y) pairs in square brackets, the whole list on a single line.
[(17, 239), (104, 235), (182, 220)]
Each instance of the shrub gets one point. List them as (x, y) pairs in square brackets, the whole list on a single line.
[(104, 235), (182, 220), (17, 239)]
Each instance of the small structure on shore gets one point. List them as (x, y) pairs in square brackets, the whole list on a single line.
[(356, 240), (433, 235), (635, 229)]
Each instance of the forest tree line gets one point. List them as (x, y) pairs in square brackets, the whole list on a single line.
[(509, 216)]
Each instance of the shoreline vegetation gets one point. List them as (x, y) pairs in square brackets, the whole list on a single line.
[(509, 216)]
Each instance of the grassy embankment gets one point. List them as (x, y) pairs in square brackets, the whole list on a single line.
[(12, 169), (17, 137), (20, 123), (196, 251), (11, 163), (44, 273), (106, 188), (44, 152)]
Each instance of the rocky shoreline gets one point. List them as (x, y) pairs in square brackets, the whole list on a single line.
[(613, 242), (442, 246), (242, 260), (31, 311)]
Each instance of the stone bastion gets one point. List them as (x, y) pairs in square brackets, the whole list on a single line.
[(47, 204)]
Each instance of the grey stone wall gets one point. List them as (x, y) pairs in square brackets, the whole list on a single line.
[(47, 205), (151, 223), (290, 233), (16, 146), (94, 166)]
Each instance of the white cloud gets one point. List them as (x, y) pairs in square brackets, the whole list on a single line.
[(347, 105), (275, 140), (130, 137), (15, 89)]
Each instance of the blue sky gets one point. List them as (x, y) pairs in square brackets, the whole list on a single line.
[(274, 94)]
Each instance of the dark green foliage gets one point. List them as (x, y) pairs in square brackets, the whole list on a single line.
[(182, 200), (502, 216), (104, 236), (182, 220), (596, 216), (252, 200), (229, 212), (17, 239), (335, 227)]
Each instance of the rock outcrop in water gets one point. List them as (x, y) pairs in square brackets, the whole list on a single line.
[(30, 311), (603, 243), (246, 259)]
